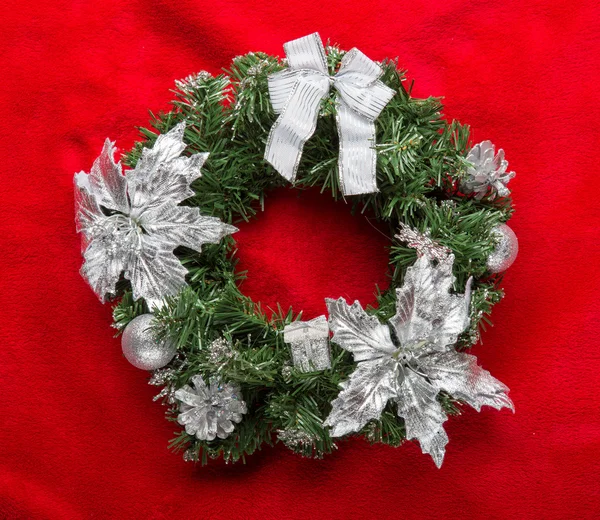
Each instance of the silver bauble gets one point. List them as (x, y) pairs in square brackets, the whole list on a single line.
[(506, 250), (141, 348)]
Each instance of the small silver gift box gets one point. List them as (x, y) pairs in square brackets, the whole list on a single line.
[(309, 341)]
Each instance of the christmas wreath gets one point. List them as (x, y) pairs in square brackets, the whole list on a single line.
[(158, 240)]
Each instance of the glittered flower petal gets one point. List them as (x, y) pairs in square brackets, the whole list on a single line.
[(180, 225), (155, 272), (357, 332), (106, 181), (101, 269), (162, 187), (166, 148), (425, 310), (161, 175), (423, 415), (459, 375), (364, 396), (455, 318), (87, 212), (190, 167)]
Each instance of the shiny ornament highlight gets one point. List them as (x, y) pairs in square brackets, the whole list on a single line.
[(141, 348), (507, 248)]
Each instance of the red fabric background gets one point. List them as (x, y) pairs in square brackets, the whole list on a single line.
[(79, 434)]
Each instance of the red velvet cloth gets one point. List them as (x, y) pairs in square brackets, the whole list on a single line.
[(79, 434)]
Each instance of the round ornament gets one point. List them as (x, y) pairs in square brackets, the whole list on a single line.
[(141, 348), (506, 250), (160, 238)]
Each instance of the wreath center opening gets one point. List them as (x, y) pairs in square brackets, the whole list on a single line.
[(305, 247)]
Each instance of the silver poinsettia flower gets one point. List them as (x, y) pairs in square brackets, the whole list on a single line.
[(209, 411), (132, 223), (487, 170), (411, 359)]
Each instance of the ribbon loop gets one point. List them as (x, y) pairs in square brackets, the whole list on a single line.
[(296, 94), (281, 85), (358, 69), (295, 125), (306, 53)]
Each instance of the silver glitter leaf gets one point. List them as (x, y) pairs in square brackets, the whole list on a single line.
[(209, 411), (132, 223), (180, 225), (423, 243), (220, 351), (487, 170), (154, 271), (161, 174), (104, 259), (411, 366)]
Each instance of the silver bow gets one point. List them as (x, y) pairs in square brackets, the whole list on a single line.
[(296, 95)]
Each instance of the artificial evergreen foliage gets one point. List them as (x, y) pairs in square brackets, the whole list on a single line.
[(420, 162)]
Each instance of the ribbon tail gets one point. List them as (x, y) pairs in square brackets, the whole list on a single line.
[(295, 125), (357, 162)]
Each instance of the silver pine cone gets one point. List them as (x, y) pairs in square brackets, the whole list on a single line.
[(209, 411), (487, 171)]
